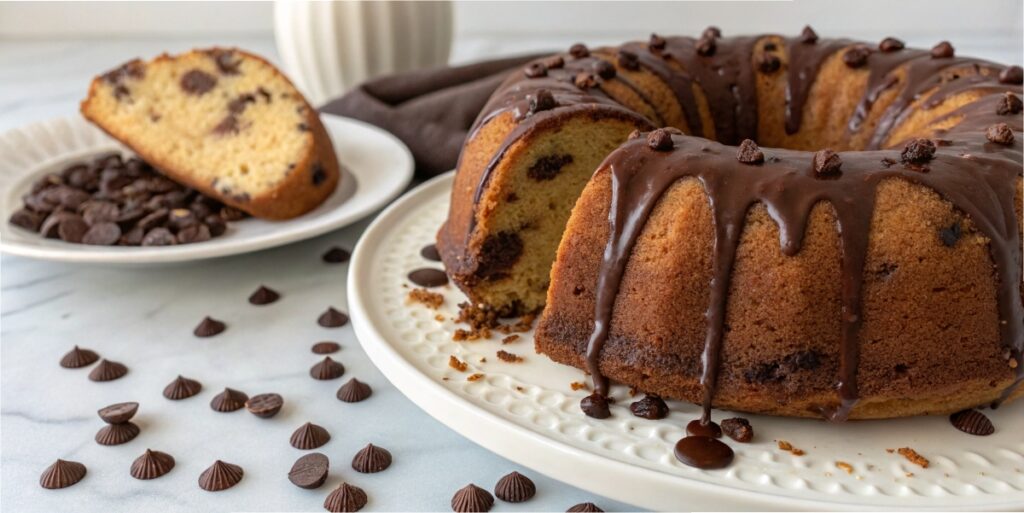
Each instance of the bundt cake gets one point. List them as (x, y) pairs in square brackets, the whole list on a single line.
[(861, 259), (224, 122)]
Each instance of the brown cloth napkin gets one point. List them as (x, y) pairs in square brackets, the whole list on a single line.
[(431, 111)]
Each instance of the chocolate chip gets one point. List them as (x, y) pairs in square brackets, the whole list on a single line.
[(220, 476), (264, 405), (585, 80), (231, 214), (62, 474), (102, 234), (327, 369), (238, 105), (263, 296), (712, 32), (336, 255), (209, 327), (98, 211), (216, 225), (1013, 75), (332, 318), (769, 63), (584, 507), (535, 70), (943, 50), (194, 233), (133, 237), (226, 126), (972, 422), (151, 465), (182, 388), (51, 224), (228, 401), (72, 228), (827, 163), (226, 62), (918, 151), (309, 436), (628, 60), (354, 391), (998, 133), (117, 434), (1009, 104), (950, 235), (706, 46), (657, 42), (548, 167), (158, 237), (542, 100), (515, 487), (857, 56), (660, 140), (118, 413), (554, 62), (650, 407), (749, 153), (738, 429), (154, 219), (371, 459), (107, 370), (472, 498), (326, 347), (595, 405), (498, 252), (808, 35), (26, 219), (309, 471), (198, 82), (604, 69), (579, 51), (345, 498), (78, 357), (890, 44)]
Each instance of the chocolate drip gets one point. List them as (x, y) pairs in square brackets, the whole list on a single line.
[(805, 60), (970, 173), (680, 82)]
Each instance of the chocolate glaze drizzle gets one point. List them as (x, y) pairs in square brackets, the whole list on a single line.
[(976, 176)]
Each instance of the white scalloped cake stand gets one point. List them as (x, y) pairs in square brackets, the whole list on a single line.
[(376, 168), (528, 413)]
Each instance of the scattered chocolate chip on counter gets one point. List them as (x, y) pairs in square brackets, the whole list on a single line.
[(515, 487), (264, 296), (118, 413), (309, 436), (430, 252), (78, 357), (228, 401), (182, 388), (585, 507), (472, 498), (220, 476), (209, 327), (310, 471), (428, 277), (345, 498), (972, 422), (107, 370), (354, 391), (327, 369), (371, 459), (111, 201), (326, 347), (151, 465), (265, 405), (332, 318), (117, 434), (336, 255), (62, 474)]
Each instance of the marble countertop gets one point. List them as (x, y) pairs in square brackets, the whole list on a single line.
[(143, 317)]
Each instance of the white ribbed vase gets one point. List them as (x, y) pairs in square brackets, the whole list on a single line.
[(328, 47)]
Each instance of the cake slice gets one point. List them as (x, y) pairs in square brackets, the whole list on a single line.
[(223, 121)]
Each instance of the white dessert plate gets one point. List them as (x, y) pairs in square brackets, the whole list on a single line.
[(376, 168), (528, 412)]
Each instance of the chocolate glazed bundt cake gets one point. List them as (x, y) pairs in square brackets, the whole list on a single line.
[(863, 262)]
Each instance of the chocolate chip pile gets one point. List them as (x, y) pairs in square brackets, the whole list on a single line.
[(114, 202)]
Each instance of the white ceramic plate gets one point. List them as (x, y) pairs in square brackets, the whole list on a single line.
[(376, 168), (528, 413)]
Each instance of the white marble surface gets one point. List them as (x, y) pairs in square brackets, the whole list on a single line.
[(144, 318)]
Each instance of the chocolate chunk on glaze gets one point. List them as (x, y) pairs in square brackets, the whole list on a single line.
[(548, 167), (197, 82)]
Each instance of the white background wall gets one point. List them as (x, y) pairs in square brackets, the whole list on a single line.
[(988, 28)]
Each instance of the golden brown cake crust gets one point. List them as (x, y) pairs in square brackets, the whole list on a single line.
[(923, 330), (312, 177)]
